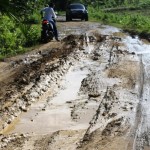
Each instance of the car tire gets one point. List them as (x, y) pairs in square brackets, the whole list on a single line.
[(68, 18), (86, 18)]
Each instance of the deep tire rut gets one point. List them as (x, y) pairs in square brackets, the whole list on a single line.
[(141, 139)]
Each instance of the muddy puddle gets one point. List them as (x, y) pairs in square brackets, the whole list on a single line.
[(54, 115)]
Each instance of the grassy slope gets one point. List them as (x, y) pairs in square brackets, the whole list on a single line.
[(134, 19)]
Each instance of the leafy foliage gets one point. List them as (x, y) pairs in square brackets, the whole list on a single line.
[(17, 31), (11, 38), (127, 20), (32, 35)]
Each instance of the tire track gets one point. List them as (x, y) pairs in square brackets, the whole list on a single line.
[(138, 118), (141, 140)]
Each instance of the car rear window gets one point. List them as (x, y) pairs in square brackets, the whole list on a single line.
[(76, 7)]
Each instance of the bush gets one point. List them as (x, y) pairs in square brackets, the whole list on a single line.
[(144, 4), (32, 35), (11, 38), (35, 18)]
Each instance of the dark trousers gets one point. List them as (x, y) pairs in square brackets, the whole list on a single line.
[(54, 28)]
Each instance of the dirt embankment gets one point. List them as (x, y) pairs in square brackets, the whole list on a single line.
[(100, 108)]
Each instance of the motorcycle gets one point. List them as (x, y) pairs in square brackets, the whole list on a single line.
[(47, 31)]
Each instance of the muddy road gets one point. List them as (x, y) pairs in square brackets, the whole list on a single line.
[(88, 92)]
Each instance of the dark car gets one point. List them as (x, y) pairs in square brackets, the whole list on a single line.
[(76, 11)]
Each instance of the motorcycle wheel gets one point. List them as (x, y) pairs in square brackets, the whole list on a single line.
[(50, 35), (44, 36)]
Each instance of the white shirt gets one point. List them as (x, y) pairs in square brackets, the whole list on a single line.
[(49, 13)]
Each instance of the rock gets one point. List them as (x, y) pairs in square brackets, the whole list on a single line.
[(133, 53), (94, 94), (23, 108), (4, 125), (34, 94), (69, 102), (3, 145), (24, 81), (9, 121), (4, 140), (23, 135), (15, 114)]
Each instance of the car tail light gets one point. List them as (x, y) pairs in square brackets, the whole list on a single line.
[(45, 22)]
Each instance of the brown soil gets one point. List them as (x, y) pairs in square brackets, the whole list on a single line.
[(83, 92)]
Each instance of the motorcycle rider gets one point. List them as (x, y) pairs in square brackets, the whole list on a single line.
[(50, 15)]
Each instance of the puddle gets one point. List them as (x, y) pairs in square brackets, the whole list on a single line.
[(44, 118), (56, 115), (72, 85)]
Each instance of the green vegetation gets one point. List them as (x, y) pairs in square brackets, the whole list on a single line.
[(19, 25), (131, 15), (20, 20), (16, 36), (127, 20)]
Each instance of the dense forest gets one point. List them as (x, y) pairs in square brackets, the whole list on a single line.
[(20, 19)]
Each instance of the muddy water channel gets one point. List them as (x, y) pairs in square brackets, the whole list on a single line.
[(142, 125), (94, 98)]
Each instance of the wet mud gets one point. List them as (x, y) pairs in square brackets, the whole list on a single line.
[(88, 92), (142, 35)]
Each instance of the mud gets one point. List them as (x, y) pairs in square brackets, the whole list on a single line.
[(89, 92), (142, 35)]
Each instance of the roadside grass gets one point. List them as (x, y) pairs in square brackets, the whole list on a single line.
[(135, 21)]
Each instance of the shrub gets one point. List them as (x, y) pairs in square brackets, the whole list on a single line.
[(32, 35), (34, 18), (11, 38)]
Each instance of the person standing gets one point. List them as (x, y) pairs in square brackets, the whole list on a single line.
[(50, 15)]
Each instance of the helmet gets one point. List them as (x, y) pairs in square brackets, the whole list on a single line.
[(51, 4)]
